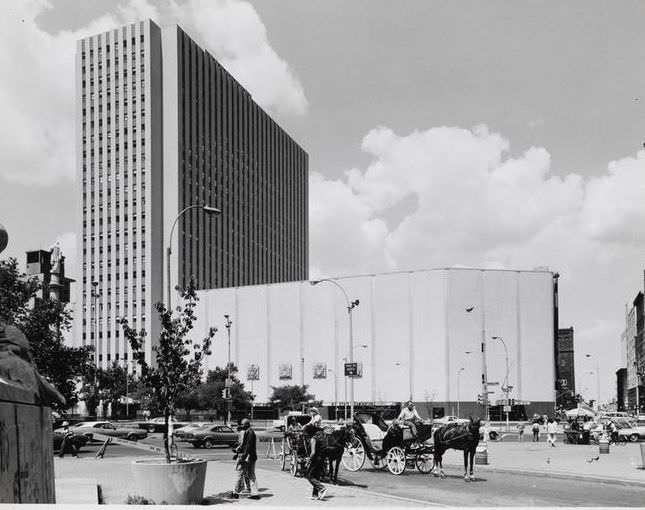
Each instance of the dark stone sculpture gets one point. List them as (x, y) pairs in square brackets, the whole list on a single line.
[(17, 371)]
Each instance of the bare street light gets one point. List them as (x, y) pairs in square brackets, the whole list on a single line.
[(228, 383), (350, 306), (505, 388), (208, 210), (590, 356)]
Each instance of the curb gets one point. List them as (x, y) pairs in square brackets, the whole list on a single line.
[(559, 475)]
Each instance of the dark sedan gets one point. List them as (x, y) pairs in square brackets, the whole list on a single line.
[(159, 424), (209, 436)]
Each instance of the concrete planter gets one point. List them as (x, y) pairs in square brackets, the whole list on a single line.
[(179, 483)]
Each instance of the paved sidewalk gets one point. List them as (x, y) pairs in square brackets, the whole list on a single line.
[(276, 488), (622, 465)]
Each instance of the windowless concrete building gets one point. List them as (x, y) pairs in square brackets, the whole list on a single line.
[(417, 334), (161, 125)]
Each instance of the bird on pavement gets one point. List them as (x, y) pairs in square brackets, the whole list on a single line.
[(593, 458)]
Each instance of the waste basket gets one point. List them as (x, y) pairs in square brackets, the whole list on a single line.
[(603, 445), (481, 455)]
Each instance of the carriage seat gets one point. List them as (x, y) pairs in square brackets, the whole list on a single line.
[(375, 435), (407, 435)]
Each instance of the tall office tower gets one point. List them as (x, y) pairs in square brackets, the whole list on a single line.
[(162, 126)]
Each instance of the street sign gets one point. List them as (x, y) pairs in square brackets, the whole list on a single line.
[(507, 409), (228, 383), (351, 369), (493, 383)]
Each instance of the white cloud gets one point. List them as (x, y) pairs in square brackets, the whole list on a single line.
[(468, 201), (614, 209), (37, 95)]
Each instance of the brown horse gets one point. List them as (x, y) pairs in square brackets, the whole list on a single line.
[(458, 437)]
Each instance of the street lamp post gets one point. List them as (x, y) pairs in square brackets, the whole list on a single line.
[(208, 210), (484, 371), (458, 396), (95, 295), (335, 393), (227, 384), (589, 356), (350, 306), (350, 356), (505, 387), (127, 391)]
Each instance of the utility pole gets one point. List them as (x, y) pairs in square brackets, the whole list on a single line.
[(228, 384)]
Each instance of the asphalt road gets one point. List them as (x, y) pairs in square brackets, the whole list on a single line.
[(490, 489)]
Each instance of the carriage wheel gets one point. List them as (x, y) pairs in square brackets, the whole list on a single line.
[(293, 464), (424, 462), (354, 456), (395, 460), (283, 455)]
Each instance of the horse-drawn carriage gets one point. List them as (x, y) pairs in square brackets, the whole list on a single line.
[(392, 446), (332, 442)]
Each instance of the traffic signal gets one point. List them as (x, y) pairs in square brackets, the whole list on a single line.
[(480, 400), (225, 393)]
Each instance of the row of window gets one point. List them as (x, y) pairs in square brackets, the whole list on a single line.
[(116, 63), (108, 81), (99, 50)]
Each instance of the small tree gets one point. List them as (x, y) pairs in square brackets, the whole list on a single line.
[(290, 396), (179, 359)]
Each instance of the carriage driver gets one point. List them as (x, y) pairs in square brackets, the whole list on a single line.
[(409, 416)]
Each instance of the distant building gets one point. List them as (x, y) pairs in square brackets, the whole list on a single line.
[(161, 126), (49, 268), (622, 401), (413, 332), (565, 375)]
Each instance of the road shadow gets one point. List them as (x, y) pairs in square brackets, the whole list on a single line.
[(343, 482), (225, 497)]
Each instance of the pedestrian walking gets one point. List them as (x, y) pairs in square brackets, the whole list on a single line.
[(520, 431), (551, 428), (69, 441), (536, 432), (316, 461), (246, 458)]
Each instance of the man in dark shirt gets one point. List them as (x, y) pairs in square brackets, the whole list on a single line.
[(247, 456), (69, 441)]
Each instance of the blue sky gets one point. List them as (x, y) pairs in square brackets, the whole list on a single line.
[(497, 134)]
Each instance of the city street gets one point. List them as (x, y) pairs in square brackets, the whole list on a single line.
[(492, 488)]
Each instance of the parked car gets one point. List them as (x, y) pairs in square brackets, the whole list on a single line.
[(191, 427), (106, 428), (159, 424), (627, 430), (209, 436), (449, 419), (57, 436), (639, 425)]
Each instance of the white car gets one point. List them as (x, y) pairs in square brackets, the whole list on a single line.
[(449, 419)]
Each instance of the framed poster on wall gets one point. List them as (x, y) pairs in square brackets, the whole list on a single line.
[(284, 371)]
